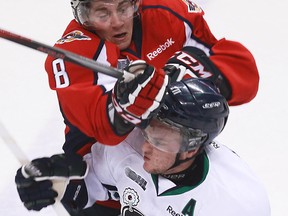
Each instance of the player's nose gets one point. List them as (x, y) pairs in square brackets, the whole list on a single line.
[(146, 147), (116, 20)]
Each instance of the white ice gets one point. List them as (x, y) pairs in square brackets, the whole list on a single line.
[(256, 131)]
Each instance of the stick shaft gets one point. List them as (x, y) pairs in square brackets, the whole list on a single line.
[(63, 54)]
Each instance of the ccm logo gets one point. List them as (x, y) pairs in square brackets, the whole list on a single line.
[(194, 64), (211, 105)]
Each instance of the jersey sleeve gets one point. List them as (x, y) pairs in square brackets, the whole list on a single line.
[(239, 68), (232, 58), (96, 190), (84, 94), (185, 25)]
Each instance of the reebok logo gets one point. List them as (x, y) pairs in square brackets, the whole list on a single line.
[(160, 49), (171, 211)]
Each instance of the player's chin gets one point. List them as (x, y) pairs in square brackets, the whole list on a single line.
[(147, 167), (150, 168), (122, 42), (123, 45)]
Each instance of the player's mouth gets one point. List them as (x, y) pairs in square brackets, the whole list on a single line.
[(146, 158), (120, 36)]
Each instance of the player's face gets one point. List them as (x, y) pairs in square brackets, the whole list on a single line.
[(155, 160), (160, 147), (113, 20)]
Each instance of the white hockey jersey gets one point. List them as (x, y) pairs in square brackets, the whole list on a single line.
[(228, 186)]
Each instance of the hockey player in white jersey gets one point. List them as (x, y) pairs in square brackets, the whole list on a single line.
[(176, 167), (180, 170)]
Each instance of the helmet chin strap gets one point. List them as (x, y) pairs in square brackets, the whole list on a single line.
[(178, 162), (179, 175)]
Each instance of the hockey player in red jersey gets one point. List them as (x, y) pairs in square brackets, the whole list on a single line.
[(172, 35), (149, 30)]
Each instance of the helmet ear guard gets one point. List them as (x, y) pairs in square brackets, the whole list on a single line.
[(79, 7), (196, 107), (192, 139)]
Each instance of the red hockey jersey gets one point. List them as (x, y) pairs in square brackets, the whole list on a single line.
[(162, 28)]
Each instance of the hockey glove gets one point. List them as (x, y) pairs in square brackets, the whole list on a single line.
[(35, 180), (192, 62), (138, 99)]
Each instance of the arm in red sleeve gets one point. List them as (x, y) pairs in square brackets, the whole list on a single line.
[(84, 94), (238, 66), (88, 108), (234, 61)]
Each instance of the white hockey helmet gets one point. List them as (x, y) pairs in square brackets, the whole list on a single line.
[(81, 9)]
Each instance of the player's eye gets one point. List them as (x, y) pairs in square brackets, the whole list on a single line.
[(101, 15)]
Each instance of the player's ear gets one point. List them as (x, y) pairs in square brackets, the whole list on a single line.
[(192, 153), (189, 154)]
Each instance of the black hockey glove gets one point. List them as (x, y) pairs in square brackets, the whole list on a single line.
[(137, 99), (35, 180), (192, 62)]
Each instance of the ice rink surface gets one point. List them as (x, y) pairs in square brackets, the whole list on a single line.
[(256, 131)]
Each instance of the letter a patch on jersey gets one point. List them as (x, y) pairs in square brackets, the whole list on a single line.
[(72, 36), (189, 208), (192, 7)]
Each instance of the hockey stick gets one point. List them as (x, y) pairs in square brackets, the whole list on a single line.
[(12, 145), (23, 160), (65, 55)]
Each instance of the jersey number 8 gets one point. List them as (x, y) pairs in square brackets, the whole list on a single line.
[(61, 76)]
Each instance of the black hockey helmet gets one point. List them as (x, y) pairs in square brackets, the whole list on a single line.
[(196, 107)]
